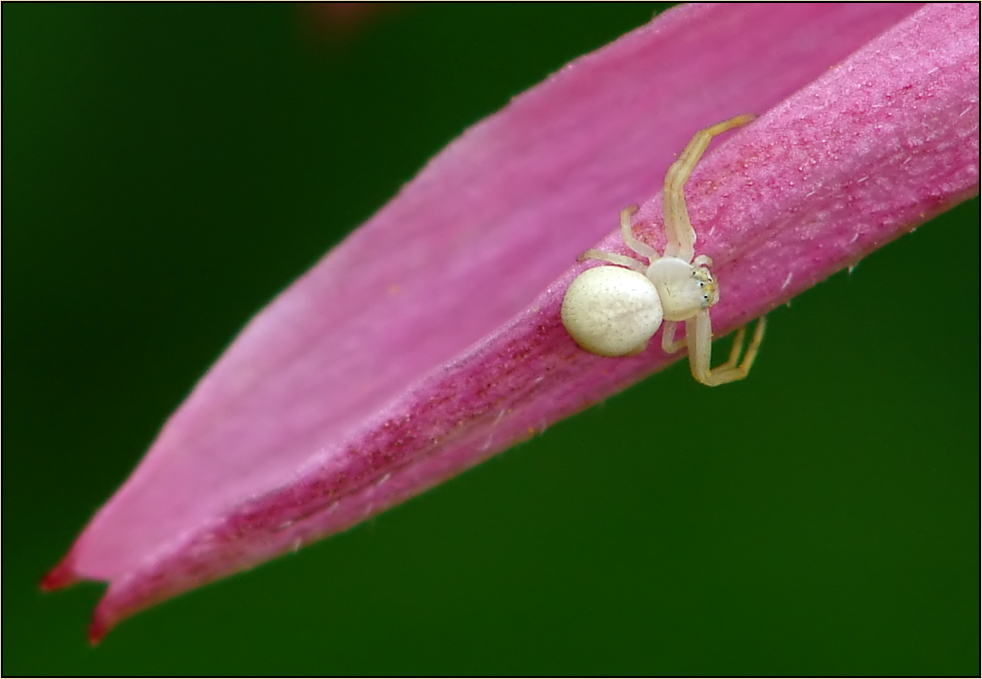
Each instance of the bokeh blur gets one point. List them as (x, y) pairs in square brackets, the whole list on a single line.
[(168, 168)]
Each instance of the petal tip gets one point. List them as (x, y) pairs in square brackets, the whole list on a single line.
[(61, 576), (98, 628), (105, 617)]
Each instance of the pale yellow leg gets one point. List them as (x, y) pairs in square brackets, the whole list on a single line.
[(679, 234), (627, 233), (699, 332), (668, 343), (614, 258)]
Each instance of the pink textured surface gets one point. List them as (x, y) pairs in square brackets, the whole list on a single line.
[(430, 339)]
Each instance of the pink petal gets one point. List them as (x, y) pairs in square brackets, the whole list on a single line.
[(430, 339)]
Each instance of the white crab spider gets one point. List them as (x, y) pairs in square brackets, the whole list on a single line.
[(615, 310)]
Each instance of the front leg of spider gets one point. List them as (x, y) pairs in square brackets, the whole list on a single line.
[(615, 310)]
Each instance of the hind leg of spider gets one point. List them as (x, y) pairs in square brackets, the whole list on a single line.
[(613, 258), (627, 234)]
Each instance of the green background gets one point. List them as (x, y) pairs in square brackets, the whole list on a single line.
[(168, 169)]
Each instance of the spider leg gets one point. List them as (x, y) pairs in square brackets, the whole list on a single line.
[(627, 234), (699, 332), (613, 258), (679, 234), (668, 343)]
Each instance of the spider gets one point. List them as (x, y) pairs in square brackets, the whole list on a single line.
[(615, 310)]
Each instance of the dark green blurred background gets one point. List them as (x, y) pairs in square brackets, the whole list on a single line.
[(168, 169)]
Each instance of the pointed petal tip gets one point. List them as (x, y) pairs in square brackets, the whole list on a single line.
[(98, 628), (64, 575), (61, 576)]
